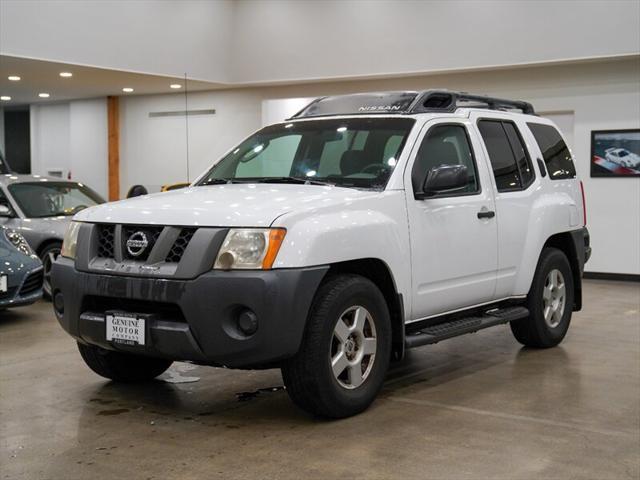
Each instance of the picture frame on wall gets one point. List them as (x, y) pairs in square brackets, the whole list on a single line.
[(615, 153)]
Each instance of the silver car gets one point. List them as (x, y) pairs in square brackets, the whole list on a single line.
[(40, 208)]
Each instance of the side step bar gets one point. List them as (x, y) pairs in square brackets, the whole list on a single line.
[(458, 327)]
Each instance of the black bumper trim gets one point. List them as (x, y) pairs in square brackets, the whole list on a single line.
[(210, 303)]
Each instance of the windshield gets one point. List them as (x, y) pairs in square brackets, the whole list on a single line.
[(354, 152), (52, 199), (623, 153)]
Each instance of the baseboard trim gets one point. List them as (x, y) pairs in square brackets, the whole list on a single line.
[(621, 277)]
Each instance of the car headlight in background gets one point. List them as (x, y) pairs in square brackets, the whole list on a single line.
[(18, 241), (250, 248), (70, 241)]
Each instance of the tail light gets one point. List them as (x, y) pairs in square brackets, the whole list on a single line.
[(584, 205)]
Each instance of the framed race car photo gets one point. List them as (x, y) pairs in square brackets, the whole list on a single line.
[(615, 153)]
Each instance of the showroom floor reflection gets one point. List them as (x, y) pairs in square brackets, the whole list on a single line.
[(478, 406)]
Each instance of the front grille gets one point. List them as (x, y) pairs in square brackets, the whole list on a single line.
[(106, 241), (32, 283), (100, 304), (151, 234), (180, 245), (139, 250)]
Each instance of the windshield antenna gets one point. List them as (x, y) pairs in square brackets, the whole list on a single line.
[(186, 123)]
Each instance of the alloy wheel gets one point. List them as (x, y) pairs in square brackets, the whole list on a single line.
[(47, 263), (554, 298), (353, 347)]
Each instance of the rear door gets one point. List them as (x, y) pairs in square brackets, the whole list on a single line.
[(515, 182), (453, 250)]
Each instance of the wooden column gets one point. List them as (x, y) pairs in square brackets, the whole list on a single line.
[(113, 129)]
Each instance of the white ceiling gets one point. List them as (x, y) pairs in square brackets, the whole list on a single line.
[(87, 82)]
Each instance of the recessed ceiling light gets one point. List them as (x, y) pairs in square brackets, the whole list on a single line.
[(175, 86), (14, 78), (127, 89), (66, 74), (44, 95), (5, 98)]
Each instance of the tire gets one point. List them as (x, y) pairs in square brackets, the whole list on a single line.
[(122, 367), (48, 255), (365, 326), (538, 330)]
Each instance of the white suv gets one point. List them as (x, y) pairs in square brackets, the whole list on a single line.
[(328, 244)]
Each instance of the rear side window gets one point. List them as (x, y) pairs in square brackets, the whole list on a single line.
[(520, 152), (554, 151), (510, 161)]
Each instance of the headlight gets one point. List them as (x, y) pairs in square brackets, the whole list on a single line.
[(70, 241), (18, 241), (250, 248)]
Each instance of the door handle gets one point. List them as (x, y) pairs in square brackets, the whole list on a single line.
[(486, 214)]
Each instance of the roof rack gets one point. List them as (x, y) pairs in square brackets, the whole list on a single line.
[(445, 100), (407, 102)]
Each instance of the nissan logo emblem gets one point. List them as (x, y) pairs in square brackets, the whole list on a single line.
[(137, 244)]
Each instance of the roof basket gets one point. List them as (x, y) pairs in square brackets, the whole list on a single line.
[(446, 101)]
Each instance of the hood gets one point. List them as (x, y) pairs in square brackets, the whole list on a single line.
[(49, 227), (230, 205)]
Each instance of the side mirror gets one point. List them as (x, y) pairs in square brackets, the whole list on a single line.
[(445, 178), (5, 211)]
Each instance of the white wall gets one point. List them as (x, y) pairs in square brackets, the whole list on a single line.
[(153, 150), (601, 95), (274, 111), (149, 36), (251, 41), (300, 40), (71, 137), (50, 132), (88, 143)]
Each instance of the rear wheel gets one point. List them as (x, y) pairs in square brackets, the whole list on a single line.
[(346, 350), (48, 255), (122, 367), (550, 302)]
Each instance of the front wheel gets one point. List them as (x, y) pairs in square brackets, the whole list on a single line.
[(550, 302), (346, 350), (122, 367), (48, 255)]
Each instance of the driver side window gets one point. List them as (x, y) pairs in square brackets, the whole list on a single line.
[(445, 145)]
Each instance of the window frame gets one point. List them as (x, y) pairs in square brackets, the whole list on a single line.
[(522, 187), (478, 191)]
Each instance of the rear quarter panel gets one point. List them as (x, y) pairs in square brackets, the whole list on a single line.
[(556, 207)]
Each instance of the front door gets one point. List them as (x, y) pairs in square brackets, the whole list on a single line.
[(453, 249)]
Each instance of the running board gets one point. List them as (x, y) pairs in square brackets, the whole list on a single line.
[(458, 327)]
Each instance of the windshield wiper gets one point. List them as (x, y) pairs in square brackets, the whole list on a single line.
[(218, 181), (298, 180)]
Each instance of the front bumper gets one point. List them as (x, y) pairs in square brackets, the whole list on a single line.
[(27, 291), (194, 319)]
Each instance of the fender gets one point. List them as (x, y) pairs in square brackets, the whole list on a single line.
[(372, 227)]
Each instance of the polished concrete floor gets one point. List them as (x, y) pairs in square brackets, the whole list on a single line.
[(475, 407)]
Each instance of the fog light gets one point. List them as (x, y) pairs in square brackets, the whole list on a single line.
[(58, 302), (247, 322)]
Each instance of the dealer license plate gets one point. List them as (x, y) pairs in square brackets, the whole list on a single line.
[(3, 284), (125, 328)]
